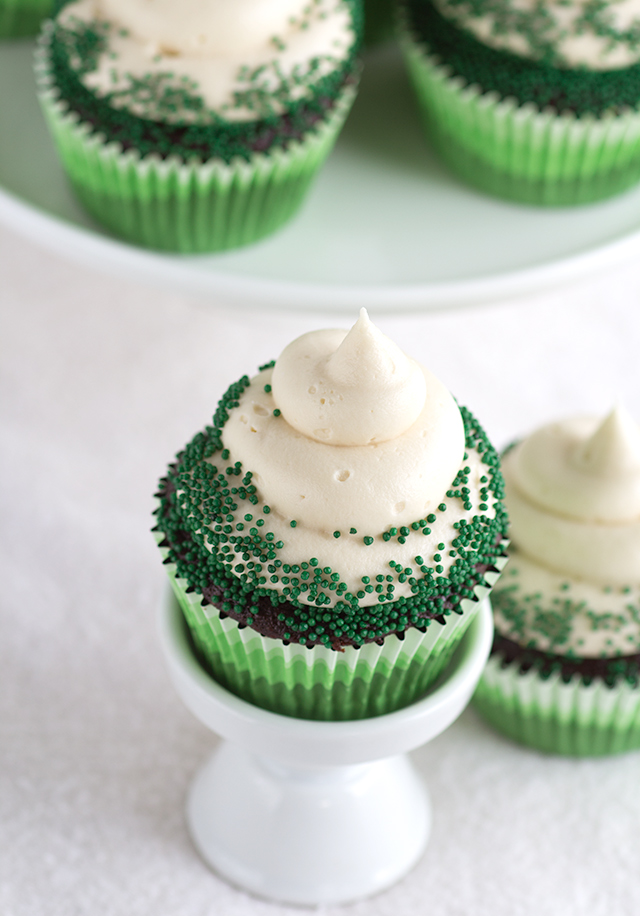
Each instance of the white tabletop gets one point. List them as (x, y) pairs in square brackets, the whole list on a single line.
[(103, 380)]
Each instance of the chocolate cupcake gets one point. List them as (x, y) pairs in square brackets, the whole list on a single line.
[(563, 675), (197, 126), (532, 102), (330, 536)]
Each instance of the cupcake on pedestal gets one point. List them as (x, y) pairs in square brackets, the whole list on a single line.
[(197, 126), (330, 536), (534, 102)]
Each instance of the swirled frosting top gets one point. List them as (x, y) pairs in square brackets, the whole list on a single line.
[(357, 463), (237, 56), (338, 496), (600, 35), (353, 389), (367, 438), (572, 490)]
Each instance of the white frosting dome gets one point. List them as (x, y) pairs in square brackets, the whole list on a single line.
[(573, 495), (352, 388), (201, 26)]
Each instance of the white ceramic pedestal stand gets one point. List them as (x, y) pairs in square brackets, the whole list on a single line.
[(310, 812)]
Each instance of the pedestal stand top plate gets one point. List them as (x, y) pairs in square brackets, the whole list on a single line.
[(385, 226)]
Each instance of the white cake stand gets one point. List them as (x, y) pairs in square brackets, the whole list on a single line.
[(308, 812)]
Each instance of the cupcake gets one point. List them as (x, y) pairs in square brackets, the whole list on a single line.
[(330, 536), (22, 18), (196, 126), (563, 673), (532, 102)]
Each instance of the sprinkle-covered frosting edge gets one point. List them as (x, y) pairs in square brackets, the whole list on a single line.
[(576, 90), (220, 138), (521, 653), (195, 491)]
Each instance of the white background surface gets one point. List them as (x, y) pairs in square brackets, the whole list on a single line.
[(102, 381)]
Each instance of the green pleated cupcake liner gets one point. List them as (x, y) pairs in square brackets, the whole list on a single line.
[(23, 18), (570, 718), (517, 151), (172, 205), (320, 683)]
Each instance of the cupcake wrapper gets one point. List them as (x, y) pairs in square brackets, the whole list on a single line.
[(320, 683), (570, 718), (518, 152), (22, 18), (172, 205)]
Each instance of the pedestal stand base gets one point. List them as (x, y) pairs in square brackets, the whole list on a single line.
[(308, 836)]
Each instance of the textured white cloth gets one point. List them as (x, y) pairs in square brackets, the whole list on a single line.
[(103, 380)]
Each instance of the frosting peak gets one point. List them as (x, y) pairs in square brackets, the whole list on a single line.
[(573, 494), (613, 448), (583, 468), (354, 388)]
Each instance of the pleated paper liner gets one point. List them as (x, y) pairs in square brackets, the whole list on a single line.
[(321, 683), (549, 714), (172, 205), (23, 18), (517, 151)]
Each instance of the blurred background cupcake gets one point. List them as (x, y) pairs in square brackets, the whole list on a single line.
[(22, 18), (563, 676), (535, 102), (197, 126), (331, 535)]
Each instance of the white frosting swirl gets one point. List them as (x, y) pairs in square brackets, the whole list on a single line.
[(223, 51), (399, 475), (573, 495), (356, 389)]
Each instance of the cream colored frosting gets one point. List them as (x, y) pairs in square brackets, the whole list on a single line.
[(212, 45), (401, 473), (201, 27), (600, 36), (396, 477), (573, 495), (553, 613)]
